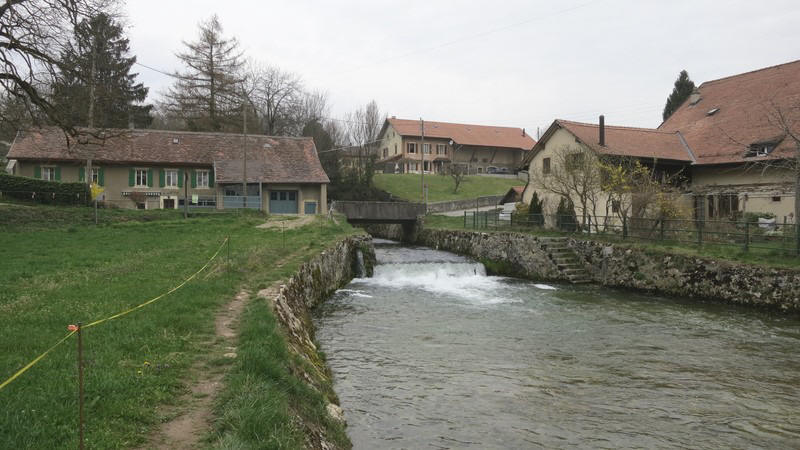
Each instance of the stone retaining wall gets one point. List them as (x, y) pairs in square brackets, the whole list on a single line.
[(625, 266)]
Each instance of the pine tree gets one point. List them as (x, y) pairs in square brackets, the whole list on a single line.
[(98, 89), (207, 96), (535, 211), (682, 90), (566, 218)]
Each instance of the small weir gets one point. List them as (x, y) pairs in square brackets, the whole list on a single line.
[(432, 353)]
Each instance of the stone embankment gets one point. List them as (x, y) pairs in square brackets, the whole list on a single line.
[(313, 283), (619, 265)]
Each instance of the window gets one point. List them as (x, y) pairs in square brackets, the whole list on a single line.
[(574, 161), (776, 199), (141, 178), (411, 147), (441, 149), (615, 206), (426, 149), (546, 166), (395, 149), (95, 175), (426, 166), (292, 196), (273, 196), (202, 178), (49, 173), (385, 152), (728, 205), (760, 149), (171, 177)]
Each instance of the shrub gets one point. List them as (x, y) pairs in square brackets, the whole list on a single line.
[(566, 219), (41, 191)]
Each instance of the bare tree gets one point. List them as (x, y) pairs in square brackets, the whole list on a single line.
[(363, 128), (457, 173), (207, 97), (277, 96), (33, 36)]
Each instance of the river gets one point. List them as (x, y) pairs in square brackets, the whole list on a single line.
[(432, 353)]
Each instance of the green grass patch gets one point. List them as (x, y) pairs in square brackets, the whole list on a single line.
[(56, 273), (440, 188)]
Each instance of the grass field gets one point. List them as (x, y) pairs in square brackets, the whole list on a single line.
[(440, 188), (766, 257), (61, 272)]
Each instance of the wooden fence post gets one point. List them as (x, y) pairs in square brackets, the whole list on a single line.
[(746, 235)]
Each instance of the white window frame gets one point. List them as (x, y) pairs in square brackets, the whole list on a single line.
[(202, 178), (411, 147), (137, 178), (171, 178), (48, 173), (426, 149), (96, 175), (441, 149)]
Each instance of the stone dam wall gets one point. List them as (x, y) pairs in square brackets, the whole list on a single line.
[(621, 266), (292, 303)]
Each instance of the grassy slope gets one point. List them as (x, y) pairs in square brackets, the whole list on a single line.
[(730, 253), (440, 188), (54, 277)]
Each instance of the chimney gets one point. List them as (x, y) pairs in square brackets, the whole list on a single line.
[(602, 131), (523, 132), (695, 97)]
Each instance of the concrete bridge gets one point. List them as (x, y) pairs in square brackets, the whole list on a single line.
[(405, 214)]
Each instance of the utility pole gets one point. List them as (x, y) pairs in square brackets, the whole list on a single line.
[(422, 154), (244, 152)]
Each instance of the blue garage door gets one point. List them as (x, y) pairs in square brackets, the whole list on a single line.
[(283, 202)]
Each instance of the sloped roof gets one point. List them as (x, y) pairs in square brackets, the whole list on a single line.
[(745, 103), (289, 160), (464, 134), (626, 141)]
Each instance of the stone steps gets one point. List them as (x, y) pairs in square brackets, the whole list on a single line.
[(566, 260)]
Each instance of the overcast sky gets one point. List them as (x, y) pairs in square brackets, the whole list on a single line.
[(506, 62)]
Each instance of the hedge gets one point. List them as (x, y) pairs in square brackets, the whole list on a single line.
[(41, 191)]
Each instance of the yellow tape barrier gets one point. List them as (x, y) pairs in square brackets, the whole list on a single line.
[(115, 316)]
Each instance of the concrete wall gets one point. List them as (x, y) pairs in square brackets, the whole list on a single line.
[(456, 205)]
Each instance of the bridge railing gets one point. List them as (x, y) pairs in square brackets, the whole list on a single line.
[(379, 211)]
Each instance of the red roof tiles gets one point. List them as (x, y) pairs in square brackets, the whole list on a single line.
[(478, 135), (627, 141), (281, 159), (745, 104)]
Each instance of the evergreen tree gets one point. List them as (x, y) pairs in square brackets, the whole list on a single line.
[(566, 218), (208, 96), (324, 143), (535, 211), (682, 90), (98, 89)]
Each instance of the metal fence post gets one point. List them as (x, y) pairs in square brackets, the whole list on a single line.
[(511, 220), (746, 235), (662, 228), (797, 238), (699, 226), (624, 227), (465, 219)]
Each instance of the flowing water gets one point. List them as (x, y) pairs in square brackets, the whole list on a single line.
[(432, 353)]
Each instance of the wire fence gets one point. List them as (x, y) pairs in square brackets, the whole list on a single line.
[(769, 235)]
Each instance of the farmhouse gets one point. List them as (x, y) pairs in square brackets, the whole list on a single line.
[(476, 148), (153, 169), (730, 142)]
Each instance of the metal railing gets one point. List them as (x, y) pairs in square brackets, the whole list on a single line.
[(240, 202), (746, 235)]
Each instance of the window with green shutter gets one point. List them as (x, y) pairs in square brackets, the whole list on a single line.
[(82, 173), (132, 177), (37, 172), (180, 178), (101, 177), (58, 173), (161, 178), (211, 177), (149, 177), (194, 178)]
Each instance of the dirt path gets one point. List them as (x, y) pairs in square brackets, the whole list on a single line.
[(191, 422), (287, 224)]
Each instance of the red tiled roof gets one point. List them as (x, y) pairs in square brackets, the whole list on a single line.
[(628, 141), (745, 103), (479, 135), (284, 159)]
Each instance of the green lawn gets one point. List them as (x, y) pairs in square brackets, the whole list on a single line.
[(440, 188), (64, 271)]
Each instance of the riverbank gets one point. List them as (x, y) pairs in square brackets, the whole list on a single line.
[(619, 265), (141, 369)]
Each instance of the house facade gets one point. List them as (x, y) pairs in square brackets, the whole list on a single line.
[(154, 169), (476, 148), (727, 139)]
